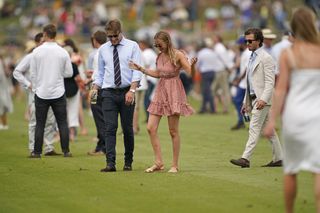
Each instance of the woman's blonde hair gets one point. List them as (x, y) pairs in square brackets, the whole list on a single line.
[(303, 25), (165, 37)]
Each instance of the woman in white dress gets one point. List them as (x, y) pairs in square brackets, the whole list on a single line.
[(6, 105), (297, 98)]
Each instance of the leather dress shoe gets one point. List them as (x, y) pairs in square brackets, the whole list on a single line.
[(127, 168), (108, 169), (244, 163), (52, 153), (274, 164), (67, 154), (34, 155)]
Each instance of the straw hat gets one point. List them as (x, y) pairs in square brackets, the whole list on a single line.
[(267, 33)]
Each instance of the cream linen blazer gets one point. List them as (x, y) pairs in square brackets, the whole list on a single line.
[(263, 78)]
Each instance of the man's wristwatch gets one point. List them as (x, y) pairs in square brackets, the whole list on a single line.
[(132, 90)]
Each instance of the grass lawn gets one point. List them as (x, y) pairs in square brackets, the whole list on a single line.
[(207, 181)]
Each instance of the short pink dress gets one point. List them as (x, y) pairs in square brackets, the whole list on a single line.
[(169, 97)]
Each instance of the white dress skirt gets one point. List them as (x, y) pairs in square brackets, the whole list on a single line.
[(5, 96), (73, 106), (301, 122)]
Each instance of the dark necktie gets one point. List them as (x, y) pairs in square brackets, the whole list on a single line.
[(249, 69), (116, 65)]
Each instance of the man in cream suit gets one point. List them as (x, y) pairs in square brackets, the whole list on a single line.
[(260, 80)]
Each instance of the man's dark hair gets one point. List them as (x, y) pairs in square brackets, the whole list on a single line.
[(145, 42), (50, 30), (69, 42), (257, 34), (113, 26), (100, 37), (38, 37)]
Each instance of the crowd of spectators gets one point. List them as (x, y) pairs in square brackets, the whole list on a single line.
[(187, 21)]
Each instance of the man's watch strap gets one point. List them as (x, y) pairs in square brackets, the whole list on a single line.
[(132, 90)]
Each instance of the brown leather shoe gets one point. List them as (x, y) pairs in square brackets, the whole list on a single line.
[(244, 163), (273, 164)]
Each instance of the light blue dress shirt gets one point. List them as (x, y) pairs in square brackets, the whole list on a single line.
[(250, 69), (128, 50)]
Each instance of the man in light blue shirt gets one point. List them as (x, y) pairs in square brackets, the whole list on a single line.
[(118, 83)]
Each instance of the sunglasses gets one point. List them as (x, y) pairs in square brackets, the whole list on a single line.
[(157, 45), (113, 36), (249, 41)]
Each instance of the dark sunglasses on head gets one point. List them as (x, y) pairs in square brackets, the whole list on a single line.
[(113, 36), (249, 41)]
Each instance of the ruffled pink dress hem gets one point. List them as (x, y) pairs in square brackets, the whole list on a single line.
[(167, 109)]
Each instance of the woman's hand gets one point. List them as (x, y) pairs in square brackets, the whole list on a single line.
[(135, 66), (268, 130), (193, 61)]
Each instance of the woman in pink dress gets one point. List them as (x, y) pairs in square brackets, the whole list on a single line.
[(169, 98)]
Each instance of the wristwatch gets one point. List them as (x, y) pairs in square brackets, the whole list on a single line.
[(132, 90)]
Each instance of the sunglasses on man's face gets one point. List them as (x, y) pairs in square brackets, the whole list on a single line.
[(113, 36), (249, 41)]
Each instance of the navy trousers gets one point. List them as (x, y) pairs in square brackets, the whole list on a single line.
[(113, 105)]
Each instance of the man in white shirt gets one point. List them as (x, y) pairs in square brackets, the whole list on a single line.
[(223, 65), (22, 74), (286, 42), (50, 64), (206, 66)]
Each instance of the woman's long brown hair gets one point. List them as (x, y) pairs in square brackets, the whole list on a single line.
[(165, 37)]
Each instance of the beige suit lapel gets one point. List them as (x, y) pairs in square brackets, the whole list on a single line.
[(256, 62)]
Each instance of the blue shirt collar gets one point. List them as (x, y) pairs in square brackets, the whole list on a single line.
[(122, 42)]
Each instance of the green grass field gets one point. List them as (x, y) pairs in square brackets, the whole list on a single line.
[(207, 181)]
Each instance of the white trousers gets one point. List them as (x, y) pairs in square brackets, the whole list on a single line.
[(257, 122)]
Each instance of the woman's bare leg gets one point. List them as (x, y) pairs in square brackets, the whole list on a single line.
[(152, 127), (290, 191), (173, 122)]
